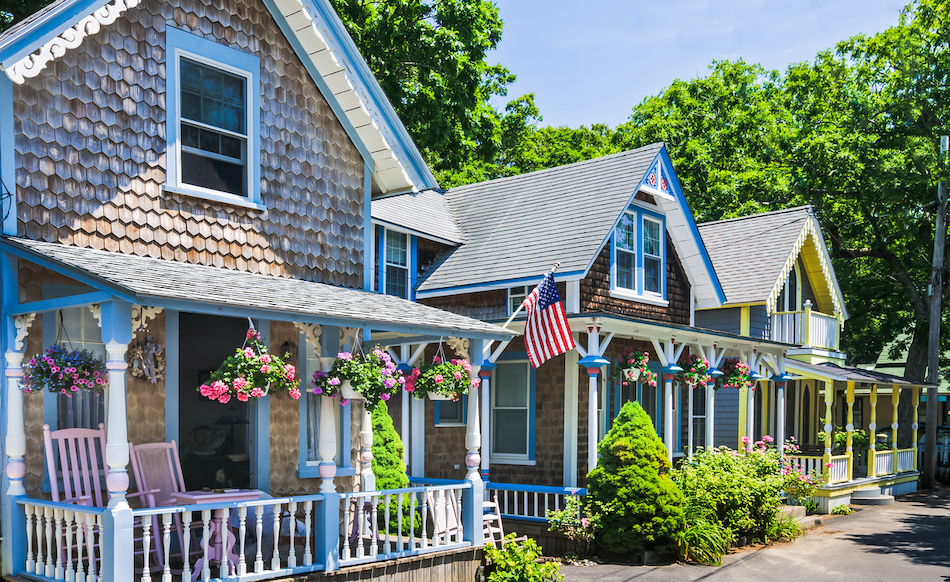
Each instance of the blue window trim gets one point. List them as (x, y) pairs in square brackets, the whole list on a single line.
[(640, 292), (464, 402), (181, 43), (516, 357), (411, 243)]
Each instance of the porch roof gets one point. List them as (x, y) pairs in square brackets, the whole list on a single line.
[(206, 289), (831, 372)]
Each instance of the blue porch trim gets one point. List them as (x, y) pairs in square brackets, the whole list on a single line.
[(172, 371), (7, 157), (260, 427), (559, 277), (55, 304)]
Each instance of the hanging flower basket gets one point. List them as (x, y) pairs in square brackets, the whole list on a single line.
[(63, 371), (372, 378), (441, 380), (695, 370), (251, 373), (735, 374), (632, 367)]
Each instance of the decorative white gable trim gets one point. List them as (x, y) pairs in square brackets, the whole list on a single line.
[(32, 64), (810, 229)]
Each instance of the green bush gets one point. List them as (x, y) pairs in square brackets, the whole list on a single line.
[(518, 562), (638, 505), (785, 527), (841, 510), (390, 471), (811, 506), (702, 541), (739, 490), (575, 523)]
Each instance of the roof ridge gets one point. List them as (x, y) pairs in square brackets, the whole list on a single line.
[(758, 215), (561, 168)]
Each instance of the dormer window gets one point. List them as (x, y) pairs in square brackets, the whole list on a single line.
[(638, 257)]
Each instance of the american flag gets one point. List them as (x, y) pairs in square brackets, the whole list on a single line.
[(546, 331)]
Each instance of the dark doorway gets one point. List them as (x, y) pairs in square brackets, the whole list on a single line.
[(214, 437)]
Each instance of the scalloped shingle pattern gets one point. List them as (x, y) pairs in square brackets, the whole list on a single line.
[(91, 154)]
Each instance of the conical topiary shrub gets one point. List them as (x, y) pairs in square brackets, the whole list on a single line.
[(389, 469), (640, 507)]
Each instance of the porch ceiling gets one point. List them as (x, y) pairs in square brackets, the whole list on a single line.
[(206, 289)]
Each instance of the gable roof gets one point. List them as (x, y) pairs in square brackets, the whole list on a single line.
[(320, 40), (426, 212), (516, 228), (173, 284), (753, 256)]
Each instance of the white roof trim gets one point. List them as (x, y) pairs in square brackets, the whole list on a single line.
[(812, 229), (32, 64)]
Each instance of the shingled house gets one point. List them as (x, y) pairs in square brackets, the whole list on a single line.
[(174, 169)]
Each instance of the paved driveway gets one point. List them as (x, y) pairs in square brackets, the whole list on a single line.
[(905, 542)]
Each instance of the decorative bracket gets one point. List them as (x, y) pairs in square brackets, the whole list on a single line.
[(22, 324), (96, 310), (349, 335), (313, 332), (460, 345), (142, 315)]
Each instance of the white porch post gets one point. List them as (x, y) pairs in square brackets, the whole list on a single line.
[(367, 478), (750, 411), (485, 372), (592, 362), (117, 534), (779, 414), (571, 399), (668, 375), (473, 498), (710, 414), (327, 524), (404, 407), (326, 439), (16, 430)]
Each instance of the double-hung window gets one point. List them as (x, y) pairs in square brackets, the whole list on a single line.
[(512, 410), (516, 296), (638, 269), (396, 264), (212, 120)]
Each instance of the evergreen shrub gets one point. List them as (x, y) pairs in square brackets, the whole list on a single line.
[(390, 471), (639, 507)]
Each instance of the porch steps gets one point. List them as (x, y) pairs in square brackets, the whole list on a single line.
[(870, 496)]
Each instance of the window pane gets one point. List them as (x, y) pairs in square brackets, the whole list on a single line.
[(450, 411), (511, 385), (218, 175), (626, 237), (213, 97), (626, 270), (396, 281), (651, 238), (396, 248), (651, 274), (510, 431)]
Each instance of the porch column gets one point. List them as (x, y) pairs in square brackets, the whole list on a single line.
[(326, 439), (710, 414), (872, 429), (367, 478), (895, 399), (16, 430), (750, 411), (780, 415), (405, 366), (473, 497), (849, 398), (826, 459), (668, 375), (916, 402), (592, 428), (485, 372)]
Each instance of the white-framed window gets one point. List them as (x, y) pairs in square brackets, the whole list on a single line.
[(450, 412), (625, 243), (512, 410), (396, 264), (516, 296), (638, 259), (212, 121), (77, 329)]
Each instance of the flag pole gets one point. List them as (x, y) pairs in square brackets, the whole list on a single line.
[(515, 314)]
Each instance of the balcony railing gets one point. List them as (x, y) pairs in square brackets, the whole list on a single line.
[(806, 328)]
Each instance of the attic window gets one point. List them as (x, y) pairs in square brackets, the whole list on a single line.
[(638, 257)]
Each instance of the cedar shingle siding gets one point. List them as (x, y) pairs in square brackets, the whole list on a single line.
[(595, 291), (91, 154)]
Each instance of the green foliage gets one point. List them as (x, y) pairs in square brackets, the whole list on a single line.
[(859, 438), (518, 562), (811, 506), (703, 541), (638, 504), (841, 510), (738, 490), (388, 452), (576, 523), (784, 527), (13, 11)]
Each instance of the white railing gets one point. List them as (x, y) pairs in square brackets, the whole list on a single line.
[(530, 502), (807, 464), (787, 326), (822, 331), (838, 472), (883, 462), (904, 460), (382, 525), (238, 540), (63, 541)]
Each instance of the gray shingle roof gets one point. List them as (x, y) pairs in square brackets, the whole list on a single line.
[(426, 212), (149, 278), (849, 373), (749, 253), (518, 227)]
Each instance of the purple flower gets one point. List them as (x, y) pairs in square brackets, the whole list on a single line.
[(334, 382)]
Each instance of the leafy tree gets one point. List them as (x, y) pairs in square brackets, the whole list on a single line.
[(638, 505)]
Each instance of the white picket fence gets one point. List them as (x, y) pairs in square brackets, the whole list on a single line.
[(838, 472), (63, 544)]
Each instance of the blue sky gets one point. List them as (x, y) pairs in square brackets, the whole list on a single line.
[(591, 62)]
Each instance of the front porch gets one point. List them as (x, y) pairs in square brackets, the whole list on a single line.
[(321, 515)]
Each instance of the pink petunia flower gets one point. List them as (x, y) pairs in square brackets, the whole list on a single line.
[(384, 396), (224, 398), (240, 383), (265, 358), (265, 369), (334, 382), (249, 353), (257, 393), (295, 393), (438, 378), (243, 397)]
